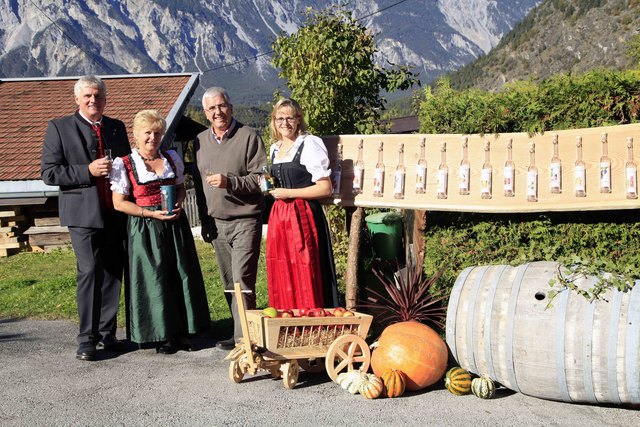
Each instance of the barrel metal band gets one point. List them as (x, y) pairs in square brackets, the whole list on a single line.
[(632, 345), (452, 312), (473, 303), (511, 320), (497, 277)]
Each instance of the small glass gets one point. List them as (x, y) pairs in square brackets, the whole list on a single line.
[(107, 154)]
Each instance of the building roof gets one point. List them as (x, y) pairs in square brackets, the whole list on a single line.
[(26, 105), (407, 124)]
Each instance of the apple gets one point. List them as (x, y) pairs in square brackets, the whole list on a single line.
[(348, 313), (327, 313), (286, 313), (339, 311), (319, 312), (304, 311), (270, 312)]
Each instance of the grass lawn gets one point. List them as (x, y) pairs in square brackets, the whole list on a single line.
[(43, 286)]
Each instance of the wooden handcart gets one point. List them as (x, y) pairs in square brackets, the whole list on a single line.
[(282, 345)]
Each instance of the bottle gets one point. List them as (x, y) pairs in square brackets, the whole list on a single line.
[(465, 168), (605, 165), (532, 175), (486, 174), (555, 168), (358, 170), (378, 175), (631, 172), (401, 172), (443, 172), (336, 172), (267, 182), (509, 171), (579, 174), (421, 170)]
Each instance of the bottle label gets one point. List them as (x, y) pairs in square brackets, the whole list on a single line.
[(358, 175), (443, 176), (532, 183), (632, 183), (464, 177), (508, 178), (398, 185), (579, 179), (605, 175), (378, 180), (336, 177), (555, 174), (421, 177), (485, 181)]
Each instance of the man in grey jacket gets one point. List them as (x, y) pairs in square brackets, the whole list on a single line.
[(229, 159), (74, 157)]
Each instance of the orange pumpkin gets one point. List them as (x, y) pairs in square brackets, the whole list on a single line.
[(394, 382), (413, 348)]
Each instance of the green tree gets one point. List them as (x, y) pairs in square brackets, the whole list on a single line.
[(329, 67)]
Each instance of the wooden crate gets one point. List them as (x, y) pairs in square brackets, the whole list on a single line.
[(303, 336)]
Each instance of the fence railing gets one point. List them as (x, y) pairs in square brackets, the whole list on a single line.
[(191, 208)]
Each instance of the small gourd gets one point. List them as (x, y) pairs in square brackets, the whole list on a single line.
[(483, 387), (394, 382), (458, 381), (351, 380), (371, 387)]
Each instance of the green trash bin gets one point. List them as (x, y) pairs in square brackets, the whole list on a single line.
[(386, 234)]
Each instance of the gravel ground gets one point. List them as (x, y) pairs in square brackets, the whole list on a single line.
[(42, 384)]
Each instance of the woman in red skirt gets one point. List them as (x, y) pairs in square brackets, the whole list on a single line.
[(300, 268)]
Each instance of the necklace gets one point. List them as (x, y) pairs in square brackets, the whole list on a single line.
[(149, 159)]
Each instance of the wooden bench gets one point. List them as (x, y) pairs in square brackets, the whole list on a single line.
[(566, 201)]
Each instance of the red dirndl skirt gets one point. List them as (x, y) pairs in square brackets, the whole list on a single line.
[(292, 256)]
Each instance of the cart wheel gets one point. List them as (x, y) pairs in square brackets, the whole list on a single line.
[(290, 372), (235, 371), (313, 366), (346, 353), (275, 372)]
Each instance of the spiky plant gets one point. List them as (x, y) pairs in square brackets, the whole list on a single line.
[(409, 296)]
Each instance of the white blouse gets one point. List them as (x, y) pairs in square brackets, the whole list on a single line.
[(314, 156), (120, 179)]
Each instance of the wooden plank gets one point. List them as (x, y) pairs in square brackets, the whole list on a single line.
[(7, 212), (46, 229), (49, 239), (547, 202), (12, 221), (46, 221)]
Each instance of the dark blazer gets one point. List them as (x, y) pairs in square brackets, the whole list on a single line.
[(69, 146)]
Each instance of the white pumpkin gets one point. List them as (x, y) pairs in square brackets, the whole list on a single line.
[(351, 380)]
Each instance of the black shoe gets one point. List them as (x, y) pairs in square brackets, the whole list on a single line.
[(111, 343), (86, 351), (226, 344), (166, 348)]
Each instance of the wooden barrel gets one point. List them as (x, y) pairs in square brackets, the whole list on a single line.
[(498, 325)]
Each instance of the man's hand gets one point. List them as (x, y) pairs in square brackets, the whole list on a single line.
[(208, 231), (100, 167), (217, 180)]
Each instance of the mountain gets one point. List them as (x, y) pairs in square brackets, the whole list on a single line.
[(558, 36), (229, 41)]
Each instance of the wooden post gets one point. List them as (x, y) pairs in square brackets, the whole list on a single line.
[(353, 255)]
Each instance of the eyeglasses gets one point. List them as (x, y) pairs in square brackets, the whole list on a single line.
[(280, 120), (220, 107)]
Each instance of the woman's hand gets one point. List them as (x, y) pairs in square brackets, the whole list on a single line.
[(281, 193)]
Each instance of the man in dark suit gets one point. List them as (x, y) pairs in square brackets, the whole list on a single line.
[(75, 158)]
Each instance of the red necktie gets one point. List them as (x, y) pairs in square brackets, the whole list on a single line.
[(104, 187)]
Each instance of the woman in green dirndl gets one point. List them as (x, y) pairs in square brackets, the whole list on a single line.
[(167, 299)]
